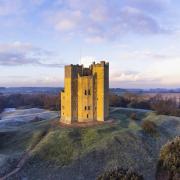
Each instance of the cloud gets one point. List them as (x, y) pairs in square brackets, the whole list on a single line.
[(125, 76), (66, 20), (158, 74), (8, 7), (87, 60), (18, 7), (17, 53), (134, 20), (96, 21), (145, 55), (151, 6)]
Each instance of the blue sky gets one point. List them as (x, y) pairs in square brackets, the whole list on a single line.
[(140, 39)]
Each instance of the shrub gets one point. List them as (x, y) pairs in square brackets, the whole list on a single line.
[(133, 116), (119, 174), (36, 119), (139, 104), (75, 134), (165, 106), (2, 103), (169, 160), (118, 101), (149, 127)]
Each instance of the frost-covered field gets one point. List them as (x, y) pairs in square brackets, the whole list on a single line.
[(14, 117), (16, 129)]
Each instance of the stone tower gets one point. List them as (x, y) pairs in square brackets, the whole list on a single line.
[(86, 93)]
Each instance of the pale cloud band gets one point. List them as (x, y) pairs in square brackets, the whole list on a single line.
[(17, 54), (107, 20), (94, 20)]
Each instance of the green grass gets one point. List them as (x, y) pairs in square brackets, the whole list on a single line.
[(21, 138), (63, 145), (55, 147)]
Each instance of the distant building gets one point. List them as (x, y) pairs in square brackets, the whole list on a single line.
[(86, 93)]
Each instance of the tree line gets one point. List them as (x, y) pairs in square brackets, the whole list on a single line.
[(46, 101), (166, 106)]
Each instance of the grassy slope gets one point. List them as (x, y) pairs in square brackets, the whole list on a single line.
[(15, 141), (83, 153)]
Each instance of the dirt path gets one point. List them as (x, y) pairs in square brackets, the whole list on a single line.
[(24, 158)]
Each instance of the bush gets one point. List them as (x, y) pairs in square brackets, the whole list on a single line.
[(75, 134), (142, 104), (2, 103), (129, 100), (118, 101), (149, 127), (133, 116), (119, 174), (36, 119), (169, 161), (166, 106)]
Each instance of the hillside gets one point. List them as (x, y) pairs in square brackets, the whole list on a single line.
[(84, 153)]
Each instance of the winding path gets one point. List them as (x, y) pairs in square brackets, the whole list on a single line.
[(23, 159)]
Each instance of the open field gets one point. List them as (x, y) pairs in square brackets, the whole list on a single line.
[(164, 95), (13, 118), (83, 153)]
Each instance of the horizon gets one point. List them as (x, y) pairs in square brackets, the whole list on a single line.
[(139, 38), (62, 87)]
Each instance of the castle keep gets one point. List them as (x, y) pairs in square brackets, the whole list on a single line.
[(85, 95)]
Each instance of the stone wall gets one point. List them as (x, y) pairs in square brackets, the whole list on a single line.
[(86, 91)]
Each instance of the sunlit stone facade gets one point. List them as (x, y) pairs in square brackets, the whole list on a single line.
[(86, 93)]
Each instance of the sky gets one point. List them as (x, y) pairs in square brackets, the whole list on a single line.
[(139, 38)]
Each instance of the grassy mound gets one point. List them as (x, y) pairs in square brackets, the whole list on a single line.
[(84, 153), (62, 146)]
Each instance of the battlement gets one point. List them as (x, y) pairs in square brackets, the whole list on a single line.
[(72, 71), (102, 63)]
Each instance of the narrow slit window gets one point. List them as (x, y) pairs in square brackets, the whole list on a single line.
[(87, 116), (89, 92), (88, 107), (85, 92), (85, 107)]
